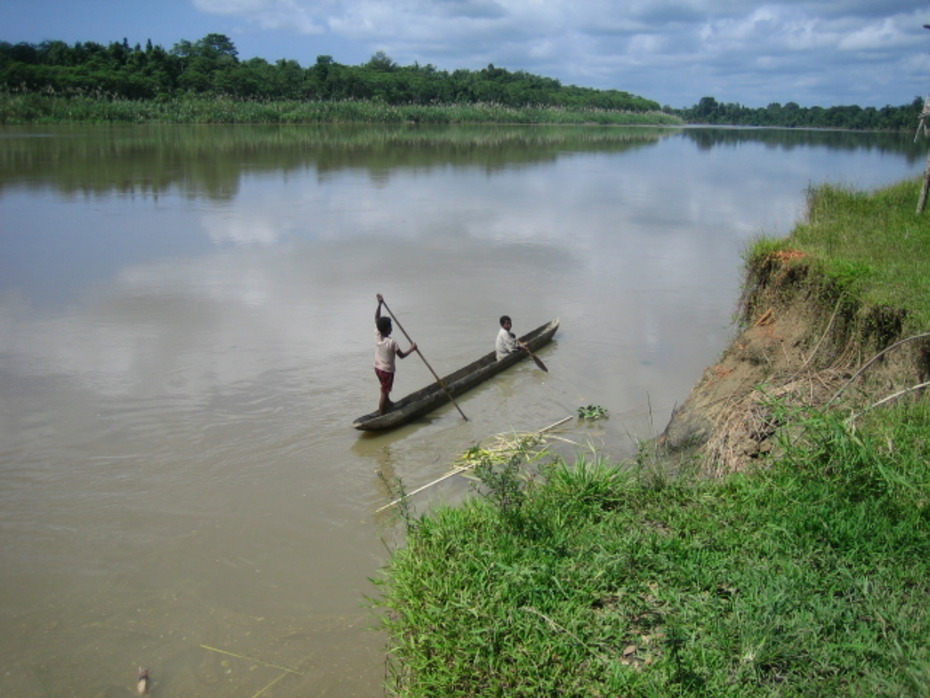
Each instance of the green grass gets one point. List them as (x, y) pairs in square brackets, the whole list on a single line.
[(872, 244), (809, 578), (31, 108)]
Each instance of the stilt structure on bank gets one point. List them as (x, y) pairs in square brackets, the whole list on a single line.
[(922, 128)]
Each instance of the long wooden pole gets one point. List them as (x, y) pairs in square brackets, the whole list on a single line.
[(455, 471), (435, 375)]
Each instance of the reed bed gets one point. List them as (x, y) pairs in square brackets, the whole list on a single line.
[(41, 108)]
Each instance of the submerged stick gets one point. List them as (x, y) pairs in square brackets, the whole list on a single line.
[(253, 659)]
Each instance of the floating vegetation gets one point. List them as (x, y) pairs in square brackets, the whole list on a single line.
[(503, 448), (592, 412)]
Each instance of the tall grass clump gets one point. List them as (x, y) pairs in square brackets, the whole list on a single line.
[(807, 578)]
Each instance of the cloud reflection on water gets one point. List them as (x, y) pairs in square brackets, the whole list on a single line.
[(624, 244)]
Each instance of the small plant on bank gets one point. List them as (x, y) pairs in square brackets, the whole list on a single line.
[(592, 412), (398, 493), (503, 487)]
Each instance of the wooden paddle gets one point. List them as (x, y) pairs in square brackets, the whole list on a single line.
[(526, 348), (435, 375), (535, 358)]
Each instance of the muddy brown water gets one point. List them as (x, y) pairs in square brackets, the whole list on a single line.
[(186, 321)]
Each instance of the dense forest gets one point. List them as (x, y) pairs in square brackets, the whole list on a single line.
[(792, 115), (210, 67)]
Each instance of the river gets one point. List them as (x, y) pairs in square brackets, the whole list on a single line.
[(186, 335)]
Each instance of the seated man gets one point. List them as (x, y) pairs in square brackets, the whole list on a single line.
[(507, 342)]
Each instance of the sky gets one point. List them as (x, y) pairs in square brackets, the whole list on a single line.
[(812, 52)]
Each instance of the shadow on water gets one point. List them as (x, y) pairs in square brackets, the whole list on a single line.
[(791, 139)]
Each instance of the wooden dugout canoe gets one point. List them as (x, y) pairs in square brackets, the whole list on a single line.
[(432, 396)]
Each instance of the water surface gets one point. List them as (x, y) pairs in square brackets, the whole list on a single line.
[(186, 331)]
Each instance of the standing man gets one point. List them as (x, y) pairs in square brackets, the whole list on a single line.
[(385, 351)]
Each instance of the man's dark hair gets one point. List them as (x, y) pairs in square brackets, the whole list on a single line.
[(384, 325), (505, 318)]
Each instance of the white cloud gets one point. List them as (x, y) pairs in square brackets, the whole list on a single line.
[(241, 232), (673, 51), (268, 14), (880, 35)]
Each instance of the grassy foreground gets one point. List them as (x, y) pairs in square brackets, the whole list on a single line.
[(807, 577), (31, 108)]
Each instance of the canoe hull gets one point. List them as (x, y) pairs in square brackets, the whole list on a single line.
[(432, 396)]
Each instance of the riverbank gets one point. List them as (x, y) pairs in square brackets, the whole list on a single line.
[(799, 568), (32, 108), (845, 286)]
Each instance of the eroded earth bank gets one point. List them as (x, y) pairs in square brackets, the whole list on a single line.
[(801, 342)]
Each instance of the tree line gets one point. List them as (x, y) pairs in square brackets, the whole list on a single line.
[(792, 115), (211, 66)]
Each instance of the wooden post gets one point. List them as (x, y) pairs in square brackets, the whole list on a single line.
[(922, 201), (922, 127)]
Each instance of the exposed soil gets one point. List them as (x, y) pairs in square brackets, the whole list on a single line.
[(801, 344)]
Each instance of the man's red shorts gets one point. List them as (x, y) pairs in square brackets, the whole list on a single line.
[(387, 380)]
